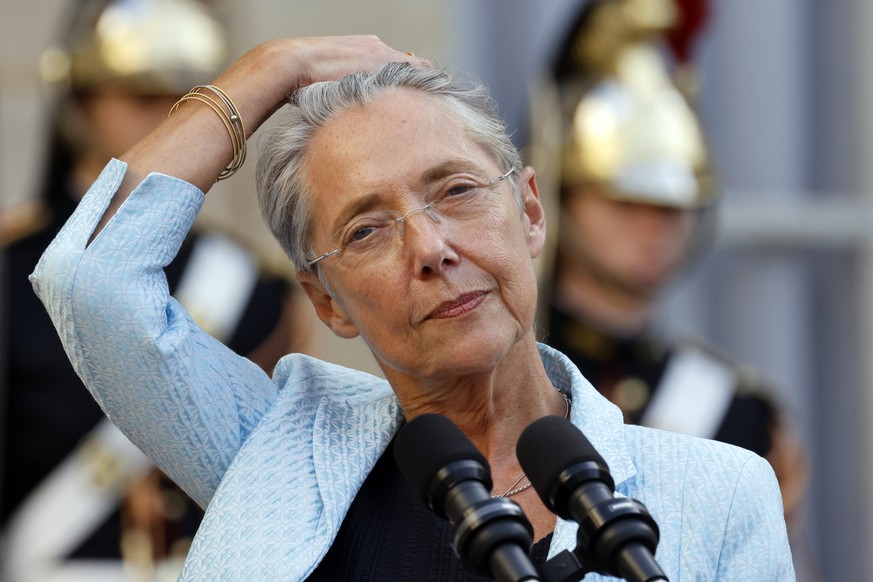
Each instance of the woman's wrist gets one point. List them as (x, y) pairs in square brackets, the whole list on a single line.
[(261, 80)]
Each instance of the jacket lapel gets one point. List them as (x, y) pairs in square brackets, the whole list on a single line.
[(348, 439)]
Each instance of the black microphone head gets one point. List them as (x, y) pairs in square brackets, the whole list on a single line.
[(556, 456), (425, 446)]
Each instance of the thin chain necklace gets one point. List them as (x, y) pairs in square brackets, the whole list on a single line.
[(512, 488)]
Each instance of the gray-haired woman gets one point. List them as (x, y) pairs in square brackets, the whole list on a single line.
[(413, 224)]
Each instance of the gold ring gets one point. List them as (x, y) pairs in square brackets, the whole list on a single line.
[(410, 53)]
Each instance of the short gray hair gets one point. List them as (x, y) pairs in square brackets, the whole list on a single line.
[(283, 193)]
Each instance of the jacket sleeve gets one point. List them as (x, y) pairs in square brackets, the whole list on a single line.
[(756, 542), (184, 398)]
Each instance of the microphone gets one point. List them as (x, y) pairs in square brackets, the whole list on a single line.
[(617, 536), (492, 535)]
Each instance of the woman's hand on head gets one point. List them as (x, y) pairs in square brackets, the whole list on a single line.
[(329, 58), (269, 73)]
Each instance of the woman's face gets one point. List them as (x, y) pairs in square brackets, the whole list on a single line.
[(455, 297)]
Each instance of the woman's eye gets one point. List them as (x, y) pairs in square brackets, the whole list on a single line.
[(459, 189), (361, 233), (369, 232)]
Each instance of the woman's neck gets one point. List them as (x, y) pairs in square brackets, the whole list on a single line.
[(491, 409)]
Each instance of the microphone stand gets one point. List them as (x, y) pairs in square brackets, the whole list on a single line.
[(567, 566), (633, 559)]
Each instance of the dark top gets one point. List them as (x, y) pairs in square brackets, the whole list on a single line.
[(628, 371), (389, 534)]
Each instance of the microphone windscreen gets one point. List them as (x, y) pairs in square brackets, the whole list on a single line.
[(550, 445), (427, 444)]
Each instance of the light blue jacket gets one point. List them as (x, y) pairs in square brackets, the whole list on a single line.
[(277, 462)]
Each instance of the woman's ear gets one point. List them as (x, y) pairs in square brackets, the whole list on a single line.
[(535, 216), (329, 310)]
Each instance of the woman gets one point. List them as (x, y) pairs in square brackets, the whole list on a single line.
[(412, 223)]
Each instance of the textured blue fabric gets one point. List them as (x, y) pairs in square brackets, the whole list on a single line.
[(277, 462)]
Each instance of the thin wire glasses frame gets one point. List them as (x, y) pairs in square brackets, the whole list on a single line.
[(431, 210)]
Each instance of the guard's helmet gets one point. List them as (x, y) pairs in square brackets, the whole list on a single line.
[(145, 47), (628, 129), (139, 48)]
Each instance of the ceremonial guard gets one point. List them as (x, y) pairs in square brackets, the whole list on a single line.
[(625, 166)]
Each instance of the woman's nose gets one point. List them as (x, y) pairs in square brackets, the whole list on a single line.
[(427, 241)]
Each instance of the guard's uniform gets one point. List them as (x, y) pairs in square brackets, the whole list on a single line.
[(684, 387)]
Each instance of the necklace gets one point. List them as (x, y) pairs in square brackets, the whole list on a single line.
[(513, 489)]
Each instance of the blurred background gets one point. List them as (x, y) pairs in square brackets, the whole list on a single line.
[(786, 99)]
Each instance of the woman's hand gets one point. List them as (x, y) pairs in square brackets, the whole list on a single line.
[(262, 80)]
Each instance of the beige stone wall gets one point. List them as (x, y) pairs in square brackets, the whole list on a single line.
[(26, 29)]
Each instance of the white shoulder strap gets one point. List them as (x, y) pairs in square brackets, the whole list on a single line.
[(216, 285), (693, 396), (68, 506)]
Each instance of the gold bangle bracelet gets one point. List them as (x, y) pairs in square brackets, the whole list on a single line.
[(235, 119), (227, 111)]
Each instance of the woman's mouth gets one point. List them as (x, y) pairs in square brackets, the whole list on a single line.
[(463, 304)]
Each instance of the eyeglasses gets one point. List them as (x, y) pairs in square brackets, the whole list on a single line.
[(375, 237)]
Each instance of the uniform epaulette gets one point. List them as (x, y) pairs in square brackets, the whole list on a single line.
[(748, 381)]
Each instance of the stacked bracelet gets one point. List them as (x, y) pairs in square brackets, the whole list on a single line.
[(229, 115)]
